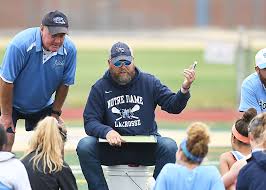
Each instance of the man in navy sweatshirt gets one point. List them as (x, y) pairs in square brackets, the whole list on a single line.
[(122, 103)]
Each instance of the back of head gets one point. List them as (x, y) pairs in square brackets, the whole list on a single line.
[(47, 142), (242, 124), (257, 128), (3, 138), (198, 139)]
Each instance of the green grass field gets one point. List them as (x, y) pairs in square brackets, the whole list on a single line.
[(215, 86)]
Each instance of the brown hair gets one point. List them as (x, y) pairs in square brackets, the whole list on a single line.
[(198, 139), (242, 124), (257, 128)]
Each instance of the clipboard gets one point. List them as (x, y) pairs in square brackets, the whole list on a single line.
[(135, 139)]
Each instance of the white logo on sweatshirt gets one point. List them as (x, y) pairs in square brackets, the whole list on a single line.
[(126, 113), (133, 121)]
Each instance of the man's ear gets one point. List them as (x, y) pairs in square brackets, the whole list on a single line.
[(109, 63), (257, 69), (234, 138)]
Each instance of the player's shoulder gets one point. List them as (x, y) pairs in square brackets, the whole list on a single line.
[(252, 80), (171, 167), (254, 77), (209, 169), (147, 76), (27, 33), (25, 37), (102, 82), (225, 155)]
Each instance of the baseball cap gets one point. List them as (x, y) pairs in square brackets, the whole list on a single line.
[(120, 51), (56, 22), (260, 59)]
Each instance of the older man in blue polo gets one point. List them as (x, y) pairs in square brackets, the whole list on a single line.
[(38, 63)]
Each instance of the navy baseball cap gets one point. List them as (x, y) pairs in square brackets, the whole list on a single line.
[(56, 22), (121, 51)]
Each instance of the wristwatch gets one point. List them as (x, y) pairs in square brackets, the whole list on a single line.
[(56, 112)]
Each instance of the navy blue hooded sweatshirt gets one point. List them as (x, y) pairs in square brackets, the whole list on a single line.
[(253, 175), (129, 109)]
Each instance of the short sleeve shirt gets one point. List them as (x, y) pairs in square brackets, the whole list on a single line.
[(253, 94), (34, 76)]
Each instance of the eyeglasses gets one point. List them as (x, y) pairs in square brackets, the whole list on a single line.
[(121, 62)]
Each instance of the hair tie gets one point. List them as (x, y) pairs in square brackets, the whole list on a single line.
[(183, 146), (240, 137)]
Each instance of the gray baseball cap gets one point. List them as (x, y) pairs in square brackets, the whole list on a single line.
[(56, 22)]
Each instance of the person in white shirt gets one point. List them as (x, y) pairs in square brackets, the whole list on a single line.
[(13, 175)]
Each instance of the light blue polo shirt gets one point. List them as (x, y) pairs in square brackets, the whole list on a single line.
[(179, 177), (35, 79), (4, 187), (253, 94)]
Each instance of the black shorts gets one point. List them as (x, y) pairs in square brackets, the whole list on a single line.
[(31, 119)]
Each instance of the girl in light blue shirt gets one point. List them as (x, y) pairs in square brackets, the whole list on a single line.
[(187, 173)]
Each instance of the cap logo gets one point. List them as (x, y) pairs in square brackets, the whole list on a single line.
[(120, 49), (59, 20), (264, 55)]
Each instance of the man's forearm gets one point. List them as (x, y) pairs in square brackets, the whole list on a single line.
[(60, 97), (6, 97)]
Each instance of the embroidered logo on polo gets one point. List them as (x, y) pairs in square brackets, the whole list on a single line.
[(126, 116), (59, 62), (59, 20)]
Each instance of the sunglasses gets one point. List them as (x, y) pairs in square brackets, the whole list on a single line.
[(121, 62)]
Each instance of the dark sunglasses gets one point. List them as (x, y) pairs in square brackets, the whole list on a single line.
[(121, 62)]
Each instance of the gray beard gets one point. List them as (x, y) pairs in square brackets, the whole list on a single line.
[(123, 81)]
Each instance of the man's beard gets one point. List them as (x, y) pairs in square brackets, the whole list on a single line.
[(122, 79), (263, 80)]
